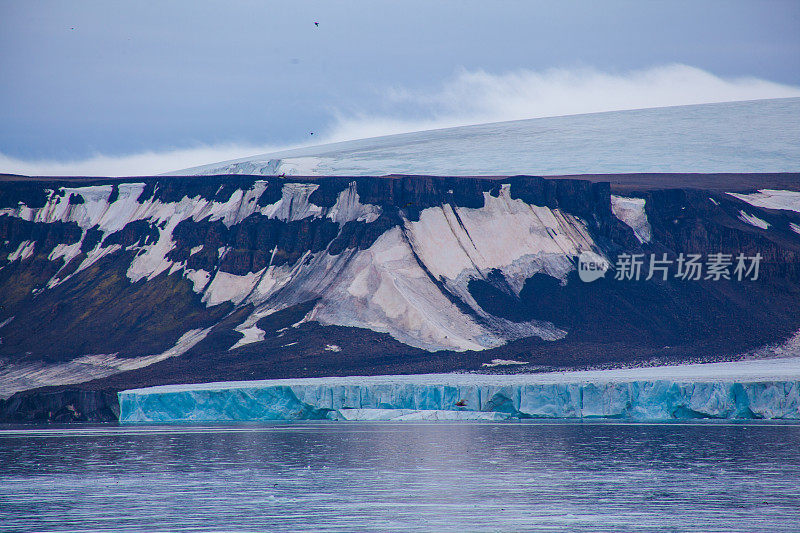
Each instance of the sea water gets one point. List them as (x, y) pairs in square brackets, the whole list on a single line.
[(412, 476)]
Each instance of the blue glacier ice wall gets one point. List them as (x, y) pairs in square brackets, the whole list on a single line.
[(635, 400)]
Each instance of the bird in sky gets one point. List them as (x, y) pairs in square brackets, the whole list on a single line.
[(316, 24)]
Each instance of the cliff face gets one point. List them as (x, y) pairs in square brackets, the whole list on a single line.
[(118, 283), (68, 405)]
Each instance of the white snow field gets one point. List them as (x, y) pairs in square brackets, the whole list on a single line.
[(751, 136), (755, 389)]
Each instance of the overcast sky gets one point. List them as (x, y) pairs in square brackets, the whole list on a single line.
[(106, 79)]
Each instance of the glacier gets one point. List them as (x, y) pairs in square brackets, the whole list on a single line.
[(761, 389), (747, 136)]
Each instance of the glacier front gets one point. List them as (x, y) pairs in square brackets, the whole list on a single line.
[(744, 390)]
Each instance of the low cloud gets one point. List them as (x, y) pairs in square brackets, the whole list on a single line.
[(470, 97), (476, 97), (140, 164)]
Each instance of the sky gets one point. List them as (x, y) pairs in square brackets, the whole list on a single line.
[(144, 87)]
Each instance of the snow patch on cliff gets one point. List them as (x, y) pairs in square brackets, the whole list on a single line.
[(294, 203), (249, 336), (753, 220), (451, 240), (93, 256), (151, 260), (23, 251), (772, 199), (227, 287), (631, 212), (385, 289), (348, 207), (66, 251), (199, 278)]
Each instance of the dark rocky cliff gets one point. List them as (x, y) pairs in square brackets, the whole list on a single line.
[(65, 405), (116, 283)]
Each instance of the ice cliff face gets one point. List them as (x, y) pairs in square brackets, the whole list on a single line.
[(646, 401), (599, 394), (152, 278)]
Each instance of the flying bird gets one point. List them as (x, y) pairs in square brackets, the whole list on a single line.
[(316, 24)]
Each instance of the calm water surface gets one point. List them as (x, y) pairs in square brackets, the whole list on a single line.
[(401, 477)]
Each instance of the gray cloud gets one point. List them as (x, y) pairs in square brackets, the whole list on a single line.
[(469, 97)]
